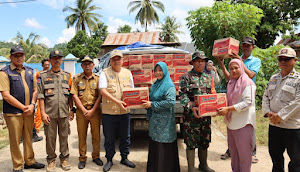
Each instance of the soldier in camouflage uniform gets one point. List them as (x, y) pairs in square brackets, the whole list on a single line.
[(197, 131)]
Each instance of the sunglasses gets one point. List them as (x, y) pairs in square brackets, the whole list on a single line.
[(285, 59)]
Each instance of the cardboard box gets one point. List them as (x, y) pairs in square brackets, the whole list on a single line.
[(181, 60), (176, 73), (208, 104), (125, 61), (177, 87), (133, 97), (135, 62), (144, 85), (225, 47), (147, 61), (142, 76), (169, 60), (159, 58)]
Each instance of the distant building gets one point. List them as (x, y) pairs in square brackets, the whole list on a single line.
[(292, 43), (115, 40), (190, 47)]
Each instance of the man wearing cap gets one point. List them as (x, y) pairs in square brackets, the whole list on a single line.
[(197, 131), (56, 102), (115, 115), (19, 91), (281, 104), (251, 65), (87, 99)]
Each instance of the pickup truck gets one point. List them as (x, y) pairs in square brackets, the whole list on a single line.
[(139, 120)]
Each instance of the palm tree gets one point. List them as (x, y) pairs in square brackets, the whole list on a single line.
[(34, 52), (170, 29), (83, 15), (147, 14)]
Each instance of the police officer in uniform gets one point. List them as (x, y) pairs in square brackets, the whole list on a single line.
[(115, 115), (19, 92), (87, 99), (281, 104), (55, 101), (197, 131)]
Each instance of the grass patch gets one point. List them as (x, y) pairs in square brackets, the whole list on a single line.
[(3, 138), (262, 127)]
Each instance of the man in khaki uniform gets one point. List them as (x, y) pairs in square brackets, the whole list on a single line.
[(19, 91), (55, 101), (281, 104), (115, 117), (87, 99)]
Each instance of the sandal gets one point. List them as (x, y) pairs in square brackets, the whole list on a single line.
[(254, 160), (225, 156)]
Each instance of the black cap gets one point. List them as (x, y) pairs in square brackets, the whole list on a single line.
[(16, 49), (55, 53), (248, 40)]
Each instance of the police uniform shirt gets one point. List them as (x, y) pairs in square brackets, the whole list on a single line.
[(86, 88), (5, 84), (282, 96)]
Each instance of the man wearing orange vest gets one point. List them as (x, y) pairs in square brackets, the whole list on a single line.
[(115, 115)]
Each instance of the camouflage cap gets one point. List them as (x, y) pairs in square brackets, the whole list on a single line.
[(198, 54)]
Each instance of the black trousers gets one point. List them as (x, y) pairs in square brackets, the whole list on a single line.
[(281, 139), (116, 126)]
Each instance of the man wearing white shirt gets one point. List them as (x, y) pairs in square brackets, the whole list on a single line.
[(281, 104), (115, 115)]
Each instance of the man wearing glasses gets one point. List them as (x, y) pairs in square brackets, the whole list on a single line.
[(19, 91), (281, 104), (87, 99)]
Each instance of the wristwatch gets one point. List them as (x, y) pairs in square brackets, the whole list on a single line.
[(73, 109), (33, 104)]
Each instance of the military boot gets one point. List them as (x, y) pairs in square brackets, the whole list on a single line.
[(190, 156), (203, 167)]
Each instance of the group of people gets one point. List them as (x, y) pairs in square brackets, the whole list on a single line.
[(56, 91)]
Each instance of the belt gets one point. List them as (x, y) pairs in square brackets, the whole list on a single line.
[(89, 107)]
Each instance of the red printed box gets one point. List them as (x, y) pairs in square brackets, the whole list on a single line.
[(176, 73), (142, 76), (208, 104), (225, 47), (158, 58), (144, 85), (133, 97), (125, 61), (147, 61), (177, 87), (181, 60), (135, 62)]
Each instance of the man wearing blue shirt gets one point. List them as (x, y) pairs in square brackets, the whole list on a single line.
[(251, 65)]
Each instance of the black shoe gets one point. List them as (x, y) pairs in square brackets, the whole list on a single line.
[(107, 166), (81, 164), (37, 138), (98, 161), (127, 163), (18, 170), (36, 165)]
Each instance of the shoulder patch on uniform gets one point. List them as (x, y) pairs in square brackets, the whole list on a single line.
[(77, 75)]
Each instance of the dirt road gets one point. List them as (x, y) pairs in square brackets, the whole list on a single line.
[(138, 154)]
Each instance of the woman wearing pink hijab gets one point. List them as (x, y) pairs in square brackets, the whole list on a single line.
[(240, 116)]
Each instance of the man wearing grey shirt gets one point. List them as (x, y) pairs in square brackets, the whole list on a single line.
[(281, 104)]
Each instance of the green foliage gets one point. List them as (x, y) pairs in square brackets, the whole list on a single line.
[(5, 52), (101, 31), (82, 45), (170, 29), (146, 12), (83, 16), (125, 29), (220, 21), (268, 68), (6, 44), (279, 16), (34, 52)]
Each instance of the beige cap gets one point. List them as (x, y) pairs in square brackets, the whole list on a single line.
[(287, 52), (87, 58), (116, 53)]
